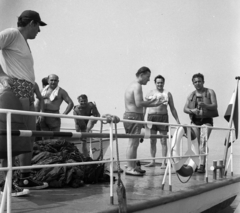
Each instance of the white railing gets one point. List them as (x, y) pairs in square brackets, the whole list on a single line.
[(8, 184)]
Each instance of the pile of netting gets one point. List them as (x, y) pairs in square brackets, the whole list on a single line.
[(59, 151)]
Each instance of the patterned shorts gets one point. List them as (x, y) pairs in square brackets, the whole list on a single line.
[(23, 89)]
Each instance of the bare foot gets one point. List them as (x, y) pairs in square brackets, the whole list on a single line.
[(152, 164)]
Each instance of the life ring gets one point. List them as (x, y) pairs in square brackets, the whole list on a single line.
[(181, 167)]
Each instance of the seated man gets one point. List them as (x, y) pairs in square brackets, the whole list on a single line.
[(85, 108)]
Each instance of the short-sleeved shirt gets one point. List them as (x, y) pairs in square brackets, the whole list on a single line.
[(15, 55)]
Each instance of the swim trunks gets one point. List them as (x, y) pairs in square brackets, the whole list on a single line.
[(161, 118), (23, 89), (133, 128), (20, 145), (50, 123), (201, 121)]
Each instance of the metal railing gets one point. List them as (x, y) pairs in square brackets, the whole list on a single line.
[(25, 133)]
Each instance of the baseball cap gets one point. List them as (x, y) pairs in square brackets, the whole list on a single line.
[(33, 15)]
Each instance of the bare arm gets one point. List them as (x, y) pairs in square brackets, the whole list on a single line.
[(39, 105), (172, 107), (76, 123), (95, 111), (68, 100), (188, 110)]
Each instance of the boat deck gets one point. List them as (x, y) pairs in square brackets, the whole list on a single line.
[(142, 193)]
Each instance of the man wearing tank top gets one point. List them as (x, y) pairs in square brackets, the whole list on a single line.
[(160, 114), (201, 105)]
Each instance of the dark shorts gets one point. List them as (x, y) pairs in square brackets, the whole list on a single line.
[(9, 100), (159, 118), (133, 128), (201, 121), (50, 123)]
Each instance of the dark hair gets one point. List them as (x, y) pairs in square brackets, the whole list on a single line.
[(143, 70), (198, 75), (45, 81), (83, 96), (159, 76), (23, 22)]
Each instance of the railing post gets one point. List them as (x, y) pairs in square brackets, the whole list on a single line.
[(214, 170), (9, 158), (221, 169), (231, 154), (111, 163), (206, 152), (168, 160)]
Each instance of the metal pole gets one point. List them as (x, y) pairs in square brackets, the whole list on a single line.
[(9, 152), (111, 163), (206, 152), (168, 160), (230, 125)]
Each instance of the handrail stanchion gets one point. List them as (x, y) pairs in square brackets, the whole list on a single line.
[(206, 152), (168, 160), (9, 152), (111, 163), (231, 154)]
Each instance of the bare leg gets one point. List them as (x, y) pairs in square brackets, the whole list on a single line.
[(90, 125), (84, 147), (30, 121), (133, 144), (25, 160), (153, 149)]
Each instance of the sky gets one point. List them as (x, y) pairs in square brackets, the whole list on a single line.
[(97, 46)]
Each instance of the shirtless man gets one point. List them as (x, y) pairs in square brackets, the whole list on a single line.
[(201, 105), (53, 96), (134, 105), (160, 114), (85, 108)]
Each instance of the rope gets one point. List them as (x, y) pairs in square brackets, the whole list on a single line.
[(183, 181)]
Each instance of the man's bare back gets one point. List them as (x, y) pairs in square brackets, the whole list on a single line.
[(133, 92)]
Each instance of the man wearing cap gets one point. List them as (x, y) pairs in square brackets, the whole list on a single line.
[(17, 80)]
